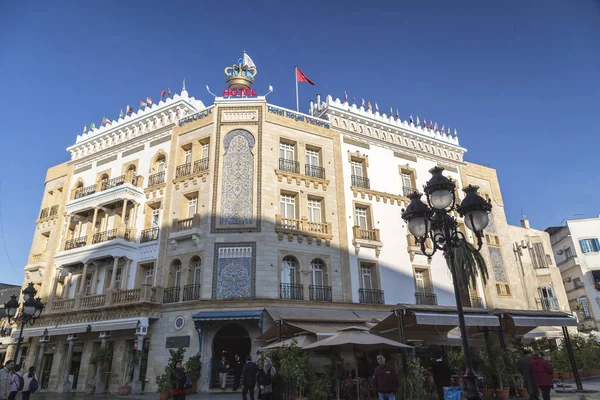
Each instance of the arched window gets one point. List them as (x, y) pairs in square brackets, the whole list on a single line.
[(161, 163), (103, 182), (196, 268), (289, 270), (318, 273), (78, 190)]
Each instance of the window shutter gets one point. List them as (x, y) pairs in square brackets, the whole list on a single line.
[(596, 245), (584, 245)]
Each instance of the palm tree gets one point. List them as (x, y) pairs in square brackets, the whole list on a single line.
[(469, 264)]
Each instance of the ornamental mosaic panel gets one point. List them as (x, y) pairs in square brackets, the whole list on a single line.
[(238, 179), (497, 264), (491, 225), (234, 273)]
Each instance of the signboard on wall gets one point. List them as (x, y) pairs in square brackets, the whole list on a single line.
[(174, 342)]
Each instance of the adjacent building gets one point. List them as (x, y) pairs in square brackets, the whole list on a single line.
[(577, 252), (218, 227)]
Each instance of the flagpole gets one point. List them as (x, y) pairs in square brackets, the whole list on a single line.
[(296, 78)]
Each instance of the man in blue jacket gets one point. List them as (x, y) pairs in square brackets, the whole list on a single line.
[(249, 378)]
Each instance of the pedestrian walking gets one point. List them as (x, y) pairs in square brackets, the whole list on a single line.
[(30, 384), (179, 381), (238, 364), (524, 361), (16, 382), (385, 380), (249, 373), (542, 372), (223, 370), (441, 376), (265, 380), (5, 379)]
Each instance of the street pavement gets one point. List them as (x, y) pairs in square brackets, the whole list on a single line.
[(568, 393)]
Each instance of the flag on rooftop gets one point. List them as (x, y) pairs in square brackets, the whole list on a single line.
[(121, 114), (443, 128), (398, 114), (376, 107), (246, 60), (424, 122), (105, 121), (143, 104), (410, 119), (149, 101), (129, 109), (363, 104), (370, 106), (162, 93), (92, 126), (169, 92), (84, 128), (418, 122), (435, 128), (300, 77), (345, 97)]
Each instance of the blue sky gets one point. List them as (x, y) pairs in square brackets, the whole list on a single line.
[(518, 79)]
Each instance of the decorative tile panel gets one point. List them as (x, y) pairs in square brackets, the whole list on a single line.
[(238, 179), (492, 225), (234, 271), (497, 264)]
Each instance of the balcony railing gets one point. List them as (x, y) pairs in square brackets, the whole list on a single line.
[(371, 296), (118, 181), (184, 224), (366, 234), (104, 236), (406, 190), (289, 165), (291, 291), (156, 179), (201, 165), (361, 181), (45, 212), (319, 293), (570, 257), (171, 295), (183, 170), (319, 227), (74, 243), (148, 235), (289, 223), (126, 296), (191, 292), (423, 298), (547, 303), (64, 304), (476, 302), (315, 171), (93, 301), (86, 191)]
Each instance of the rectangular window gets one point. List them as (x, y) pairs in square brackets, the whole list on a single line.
[(88, 285), (589, 245), (178, 276), (357, 168), (188, 156), (577, 283), (205, 149), (192, 207), (287, 206), (503, 289), (366, 277), (155, 217), (568, 253), (312, 158), (286, 151), (538, 256), (197, 272), (149, 280), (314, 210), (419, 282), (361, 214), (118, 279)]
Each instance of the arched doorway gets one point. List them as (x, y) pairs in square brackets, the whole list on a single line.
[(229, 340)]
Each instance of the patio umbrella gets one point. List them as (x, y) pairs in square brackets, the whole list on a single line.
[(301, 341), (356, 337)]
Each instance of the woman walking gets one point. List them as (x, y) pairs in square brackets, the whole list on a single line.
[(15, 385), (265, 379), (542, 372), (178, 381), (30, 384)]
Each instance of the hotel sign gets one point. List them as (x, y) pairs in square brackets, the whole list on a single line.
[(195, 117), (298, 117)]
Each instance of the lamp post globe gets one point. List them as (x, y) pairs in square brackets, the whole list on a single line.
[(474, 209), (11, 307), (29, 292), (417, 215), (439, 190), (39, 307)]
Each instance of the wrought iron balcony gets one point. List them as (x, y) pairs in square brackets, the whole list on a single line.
[(86, 191), (104, 236), (149, 235), (291, 291), (171, 294), (191, 292), (315, 171), (547, 303), (406, 190), (75, 243), (319, 293), (183, 170), (156, 179), (361, 181), (201, 165), (371, 296), (424, 298), (289, 165)]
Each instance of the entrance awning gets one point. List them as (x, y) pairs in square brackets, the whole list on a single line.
[(212, 315), (451, 319), (96, 326), (531, 321)]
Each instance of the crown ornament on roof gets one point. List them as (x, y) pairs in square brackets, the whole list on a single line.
[(242, 74)]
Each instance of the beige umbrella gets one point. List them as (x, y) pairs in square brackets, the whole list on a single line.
[(300, 341), (356, 337)]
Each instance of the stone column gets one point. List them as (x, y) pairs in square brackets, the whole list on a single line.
[(95, 280), (113, 277), (68, 279), (83, 278), (136, 384), (125, 274), (66, 385), (133, 221), (40, 356), (55, 283), (91, 232)]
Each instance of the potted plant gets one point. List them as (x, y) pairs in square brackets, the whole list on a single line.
[(293, 366), (100, 358), (131, 356), (495, 361), (164, 386), (193, 367), (319, 388)]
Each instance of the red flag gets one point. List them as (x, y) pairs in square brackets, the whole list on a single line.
[(300, 77), (129, 109), (162, 94), (148, 100), (105, 121)]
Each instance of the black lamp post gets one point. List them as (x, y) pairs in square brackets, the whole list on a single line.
[(31, 310), (433, 221)]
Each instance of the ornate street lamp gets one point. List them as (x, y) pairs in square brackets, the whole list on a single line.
[(433, 221), (31, 310)]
